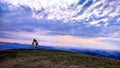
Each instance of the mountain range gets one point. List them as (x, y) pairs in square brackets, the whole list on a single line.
[(114, 54)]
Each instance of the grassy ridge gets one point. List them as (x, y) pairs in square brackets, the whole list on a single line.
[(52, 59)]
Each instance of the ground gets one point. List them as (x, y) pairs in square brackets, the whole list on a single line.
[(24, 58)]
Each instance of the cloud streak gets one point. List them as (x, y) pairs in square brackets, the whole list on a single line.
[(66, 41), (70, 11)]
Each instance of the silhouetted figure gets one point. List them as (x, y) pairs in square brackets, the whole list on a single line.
[(35, 43)]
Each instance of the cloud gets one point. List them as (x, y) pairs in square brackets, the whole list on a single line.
[(70, 11), (67, 41), (98, 13), (62, 22)]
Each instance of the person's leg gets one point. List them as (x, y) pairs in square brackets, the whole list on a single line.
[(35, 46)]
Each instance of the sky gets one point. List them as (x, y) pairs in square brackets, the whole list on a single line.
[(92, 24)]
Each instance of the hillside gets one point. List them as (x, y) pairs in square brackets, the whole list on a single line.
[(114, 54), (24, 58)]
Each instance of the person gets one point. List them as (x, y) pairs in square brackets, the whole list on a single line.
[(35, 43)]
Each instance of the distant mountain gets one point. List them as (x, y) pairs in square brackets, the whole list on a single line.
[(115, 54), (99, 53), (6, 46)]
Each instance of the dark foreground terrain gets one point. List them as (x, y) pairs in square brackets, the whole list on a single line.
[(52, 59)]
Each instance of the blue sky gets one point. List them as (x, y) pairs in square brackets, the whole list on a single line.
[(93, 24)]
